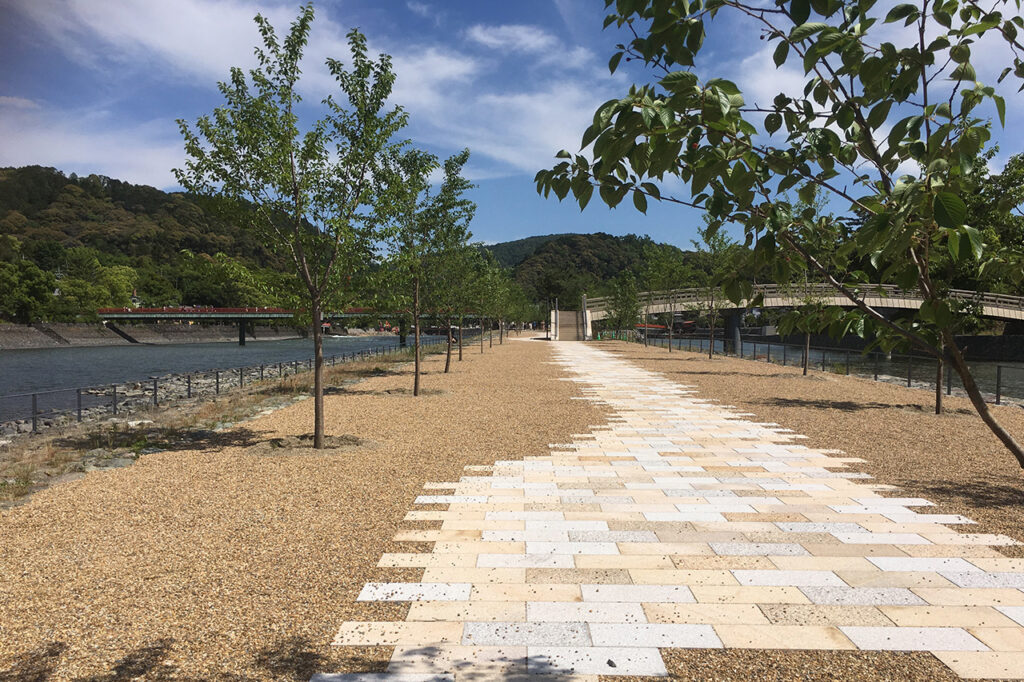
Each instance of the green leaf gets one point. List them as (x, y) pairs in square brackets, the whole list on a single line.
[(960, 53), (963, 72), (800, 10), (953, 244), (879, 113), (613, 63), (772, 122), (781, 52), (950, 210), (805, 31), (679, 80), (977, 245), (1000, 109), (640, 201), (900, 12)]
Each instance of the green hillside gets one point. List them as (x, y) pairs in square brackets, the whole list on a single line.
[(511, 254)]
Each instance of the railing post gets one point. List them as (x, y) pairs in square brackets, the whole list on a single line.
[(113, 394), (217, 374), (188, 385), (768, 357), (999, 384), (78, 403), (754, 357), (35, 414), (949, 380), (261, 372), (876, 366), (156, 401), (241, 377), (279, 373), (847, 363), (910, 370), (784, 355)]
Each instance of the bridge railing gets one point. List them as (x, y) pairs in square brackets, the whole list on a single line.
[(796, 292)]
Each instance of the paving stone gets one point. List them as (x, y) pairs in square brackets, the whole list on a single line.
[(912, 639), (757, 549), (637, 593), (571, 548), (415, 592), (922, 564), (984, 665), (587, 612), (793, 578), (525, 561), (783, 637), (862, 595), (661, 635), (526, 634), (596, 660)]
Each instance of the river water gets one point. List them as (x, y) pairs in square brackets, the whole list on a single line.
[(50, 369)]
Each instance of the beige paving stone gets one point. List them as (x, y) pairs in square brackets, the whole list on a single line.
[(1000, 638), (526, 592), (947, 616), (749, 595), (747, 614), (578, 576), (623, 560), (722, 562), (842, 549), (467, 611), (450, 658), (670, 548), (682, 577), (824, 614), (973, 665), (435, 535), (481, 524), (952, 551), (460, 574), (960, 596), (398, 633), (783, 637), (412, 560), (471, 547)]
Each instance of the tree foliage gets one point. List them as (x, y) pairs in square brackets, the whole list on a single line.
[(873, 104)]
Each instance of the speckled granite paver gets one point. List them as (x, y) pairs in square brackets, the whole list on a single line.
[(681, 523)]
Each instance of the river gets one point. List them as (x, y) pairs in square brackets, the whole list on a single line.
[(50, 369)]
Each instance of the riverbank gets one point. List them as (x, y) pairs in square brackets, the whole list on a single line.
[(81, 335)]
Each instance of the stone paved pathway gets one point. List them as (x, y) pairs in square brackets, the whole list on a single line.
[(682, 524)]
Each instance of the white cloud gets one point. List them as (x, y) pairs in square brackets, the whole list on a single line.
[(420, 8), (91, 142), (17, 103), (514, 37)]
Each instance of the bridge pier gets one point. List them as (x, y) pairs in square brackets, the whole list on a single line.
[(241, 332), (733, 322)]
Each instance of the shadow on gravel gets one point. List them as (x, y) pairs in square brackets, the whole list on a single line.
[(36, 665), (1002, 491), (851, 406), (145, 662), (163, 439), (294, 658)]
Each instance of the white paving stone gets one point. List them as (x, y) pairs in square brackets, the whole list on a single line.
[(526, 634), (586, 612), (678, 594), (862, 596), (596, 660), (675, 635), (794, 578), (901, 563)]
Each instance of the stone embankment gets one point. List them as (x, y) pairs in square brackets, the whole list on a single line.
[(57, 335), (136, 397)]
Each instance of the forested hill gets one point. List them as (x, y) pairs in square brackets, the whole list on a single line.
[(115, 217), (569, 265), (511, 254), (70, 245)]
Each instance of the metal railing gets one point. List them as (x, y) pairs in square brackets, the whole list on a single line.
[(798, 294), (998, 381), (83, 402)]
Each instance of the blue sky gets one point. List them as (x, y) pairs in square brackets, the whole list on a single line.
[(93, 86)]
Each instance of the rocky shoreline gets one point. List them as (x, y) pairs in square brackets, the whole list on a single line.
[(78, 335)]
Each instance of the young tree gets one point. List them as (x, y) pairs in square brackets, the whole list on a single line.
[(714, 259), (310, 194), (664, 269), (624, 306), (874, 101), (429, 225)]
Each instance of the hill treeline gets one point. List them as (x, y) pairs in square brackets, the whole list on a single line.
[(70, 245)]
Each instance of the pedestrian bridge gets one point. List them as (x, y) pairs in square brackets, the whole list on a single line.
[(883, 296)]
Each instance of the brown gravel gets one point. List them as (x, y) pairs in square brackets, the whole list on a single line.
[(240, 563)]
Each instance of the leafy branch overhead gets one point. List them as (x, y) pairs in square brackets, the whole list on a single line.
[(890, 127)]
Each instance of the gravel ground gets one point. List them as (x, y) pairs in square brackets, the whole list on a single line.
[(241, 562)]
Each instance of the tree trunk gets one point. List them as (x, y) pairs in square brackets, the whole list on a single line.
[(416, 335), (671, 321), (490, 334), (318, 374), (711, 340), (481, 335), (807, 351), (501, 332), (448, 358), (960, 365), (647, 318), (460, 338)]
